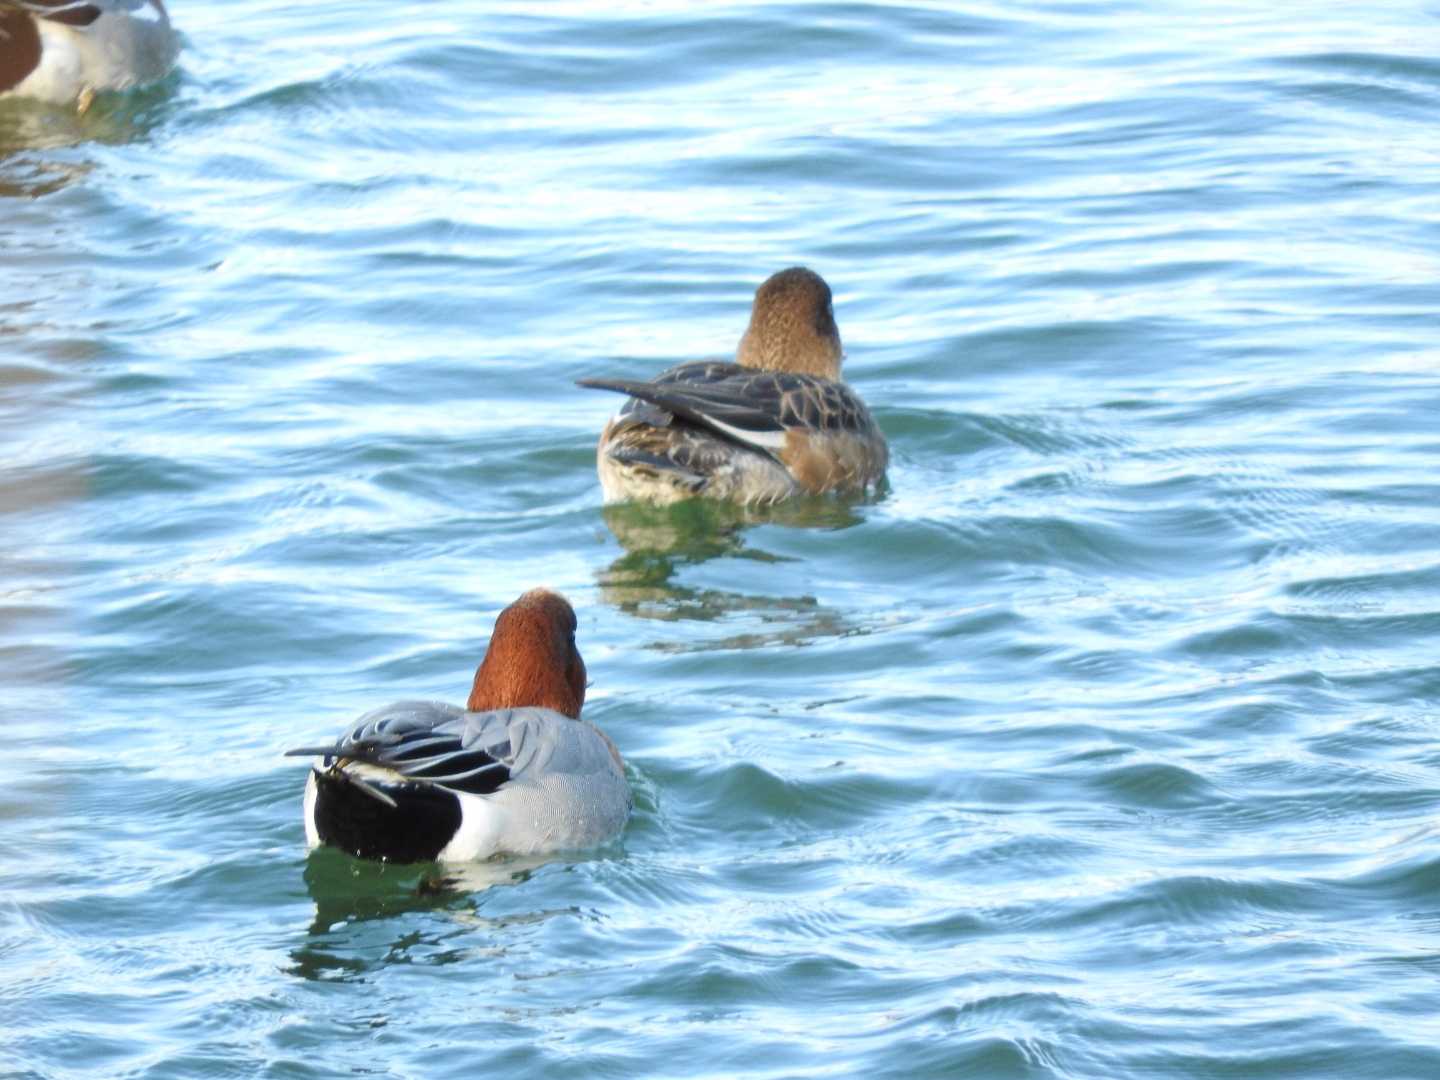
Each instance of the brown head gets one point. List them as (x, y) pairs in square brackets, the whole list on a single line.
[(532, 658), (792, 326)]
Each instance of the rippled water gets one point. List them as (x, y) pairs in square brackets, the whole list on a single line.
[(1102, 745)]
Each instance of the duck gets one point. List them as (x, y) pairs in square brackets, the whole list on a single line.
[(775, 422), (515, 772), (66, 51)]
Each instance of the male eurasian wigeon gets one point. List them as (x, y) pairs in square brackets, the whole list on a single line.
[(67, 51), (777, 422), (515, 772)]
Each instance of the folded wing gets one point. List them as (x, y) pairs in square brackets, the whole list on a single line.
[(756, 409), (69, 12), (430, 742)]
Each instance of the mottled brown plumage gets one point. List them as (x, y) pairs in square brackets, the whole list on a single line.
[(777, 422), (19, 47), (792, 327)]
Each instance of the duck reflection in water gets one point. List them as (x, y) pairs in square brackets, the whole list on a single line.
[(361, 910), (345, 889), (27, 126), (660, 541)]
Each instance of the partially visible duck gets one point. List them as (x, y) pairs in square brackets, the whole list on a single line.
[(67, 51), (777, 422), (514, 772)]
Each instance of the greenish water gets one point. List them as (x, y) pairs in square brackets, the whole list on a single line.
[(1102, 745)]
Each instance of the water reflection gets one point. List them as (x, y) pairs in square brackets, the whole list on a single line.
[(30, 178), (660, 541), (360, 909), (28, 127), (348, 890)]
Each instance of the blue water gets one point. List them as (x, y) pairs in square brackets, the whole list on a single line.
[(1103, 744)]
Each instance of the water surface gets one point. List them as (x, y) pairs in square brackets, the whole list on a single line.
[(1102, 745)]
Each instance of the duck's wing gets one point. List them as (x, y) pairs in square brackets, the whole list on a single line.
[(757, 409), (69, 12), (426, 741), (84, 12), (476, 752)]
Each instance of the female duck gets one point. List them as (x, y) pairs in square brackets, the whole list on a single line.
[(777, 422), (516, 771), (66, 51)]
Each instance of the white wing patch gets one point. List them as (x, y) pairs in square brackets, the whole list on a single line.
[(772, 441)]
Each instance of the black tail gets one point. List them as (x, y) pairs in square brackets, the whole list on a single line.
[(416, 829)]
